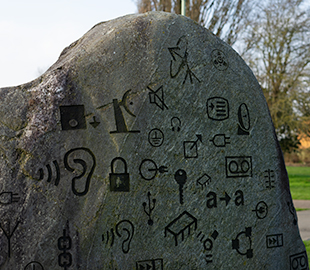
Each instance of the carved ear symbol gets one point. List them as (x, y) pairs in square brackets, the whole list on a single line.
[(84, 165), (129, 229)]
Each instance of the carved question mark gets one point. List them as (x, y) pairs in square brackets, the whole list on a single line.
[(129, 229), (84, 165)]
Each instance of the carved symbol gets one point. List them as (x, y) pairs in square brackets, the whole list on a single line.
[(9, 235), (261, 210), (150, 208), (191, 147), (204, 180), (236, 243), (83, 164), (180, 177), (34, 266), (129, 229), (212, 199), (175, 124), (239, 166), (293, 212), (8, 197), (120, 123), (157, 97), (218, 108), (208, 244), (119, 181), (148, 169), (95, 123), (108, 237), (219, 60), (72, 117), (274, 240), (156, 137), (50, 173), (244, 120), (179, 60), (64, 244), (270, 176), (299, 261), (227, 198), (179, 225), (220, 140), (154, 264)]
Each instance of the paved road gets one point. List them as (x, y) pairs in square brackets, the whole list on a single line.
[(304, 224), (303, 218)]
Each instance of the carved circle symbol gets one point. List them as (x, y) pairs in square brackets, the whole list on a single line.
[(208, 244), (73, 123), (156, 137), (299, 261), (245, 166), (148, 169), (233, 166), (34, 265), (261, 210)]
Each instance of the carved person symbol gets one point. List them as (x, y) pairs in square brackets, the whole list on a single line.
[(82, 162)]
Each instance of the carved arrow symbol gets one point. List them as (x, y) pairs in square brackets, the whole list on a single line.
[(226, 198)]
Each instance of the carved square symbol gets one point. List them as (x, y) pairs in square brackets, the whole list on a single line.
[(72, 117)]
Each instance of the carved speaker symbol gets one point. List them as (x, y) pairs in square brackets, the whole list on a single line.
[(119, 181), (83, 165), (50, 173)]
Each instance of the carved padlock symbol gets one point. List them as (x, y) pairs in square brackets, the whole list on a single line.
[(119, 181)]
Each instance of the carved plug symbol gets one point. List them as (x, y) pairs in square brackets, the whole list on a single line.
[(220, 140), (151, 208)]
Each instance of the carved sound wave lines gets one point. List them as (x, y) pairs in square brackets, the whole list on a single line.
[(50, 173)]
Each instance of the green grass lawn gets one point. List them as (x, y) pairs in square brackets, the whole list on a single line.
[(299, 182)]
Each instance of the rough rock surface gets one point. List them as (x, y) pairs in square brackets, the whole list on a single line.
[(147, 145)]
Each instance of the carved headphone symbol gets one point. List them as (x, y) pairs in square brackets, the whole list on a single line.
[(176, 124)]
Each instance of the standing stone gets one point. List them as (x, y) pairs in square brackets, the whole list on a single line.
[(147, 145)]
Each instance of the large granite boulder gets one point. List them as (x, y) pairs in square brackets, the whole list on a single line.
[(147, 145)]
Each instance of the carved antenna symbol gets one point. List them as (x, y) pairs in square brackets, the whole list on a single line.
[(150, 208)]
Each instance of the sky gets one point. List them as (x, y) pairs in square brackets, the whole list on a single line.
[(33, 33)]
